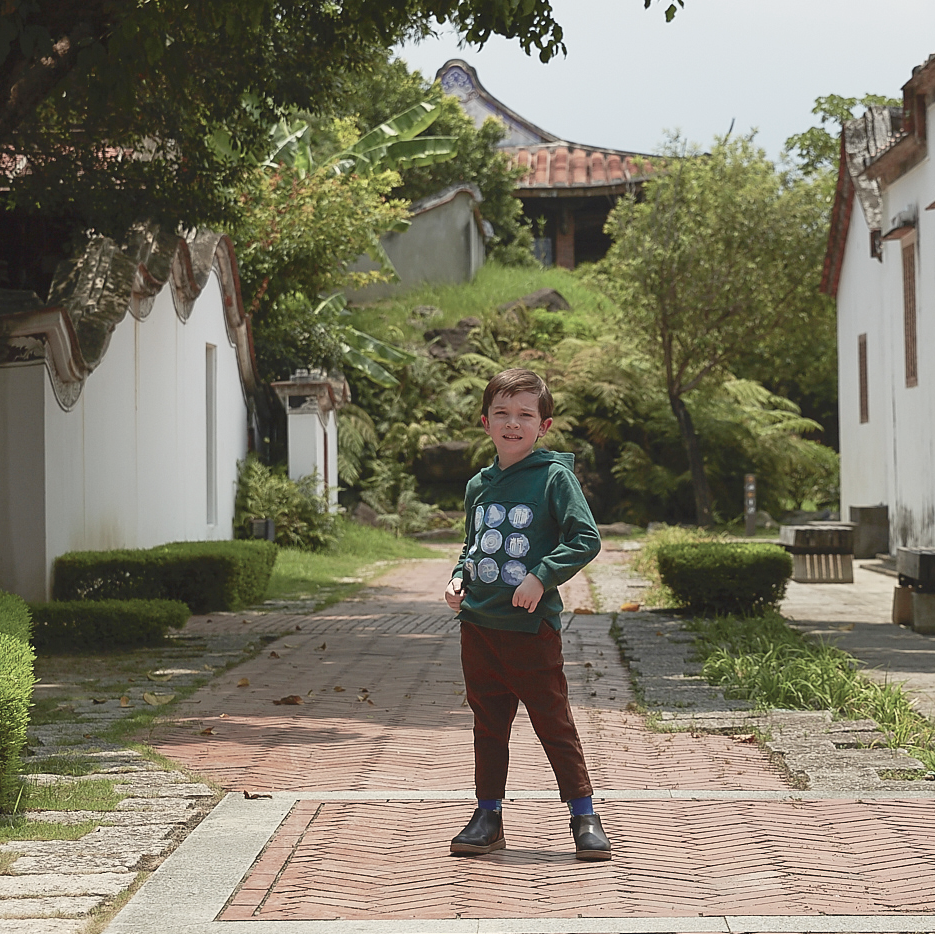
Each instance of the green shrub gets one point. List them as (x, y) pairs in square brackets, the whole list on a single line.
[(301, 514), (78, 625), (646, 563), (725, 577), (16, 683), (207, 576)]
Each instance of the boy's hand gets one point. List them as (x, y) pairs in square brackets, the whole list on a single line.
[(528, 594), (454, 593)]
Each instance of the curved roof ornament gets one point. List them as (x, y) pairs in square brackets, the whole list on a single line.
[(93, 292)]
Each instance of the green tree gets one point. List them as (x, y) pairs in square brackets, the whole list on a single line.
[(817, 149), (118, 105), (721, 251)]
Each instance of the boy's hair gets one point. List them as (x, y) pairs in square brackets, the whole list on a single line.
[(517, 380)]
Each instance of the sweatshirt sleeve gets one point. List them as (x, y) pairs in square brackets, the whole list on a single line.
[(469, 497), (579, 542)]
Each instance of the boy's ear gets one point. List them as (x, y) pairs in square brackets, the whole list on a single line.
[(485, 423), (544, 426)]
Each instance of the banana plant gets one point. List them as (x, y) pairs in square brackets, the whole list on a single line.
[(361, 351), (395, 144)]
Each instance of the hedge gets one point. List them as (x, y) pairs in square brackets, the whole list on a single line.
[(77, 625), (207, 576), (725, 577), (16, 683)]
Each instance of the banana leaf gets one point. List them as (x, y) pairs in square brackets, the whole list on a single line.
[(406, 153), (380, 375), (403, 126), (375, 348)]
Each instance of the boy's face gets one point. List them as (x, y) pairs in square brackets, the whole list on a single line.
[(515, 426)]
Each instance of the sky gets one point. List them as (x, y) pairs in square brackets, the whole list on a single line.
[(629, 77)]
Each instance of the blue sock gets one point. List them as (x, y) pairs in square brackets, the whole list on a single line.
[(579, 806), (490, 804)]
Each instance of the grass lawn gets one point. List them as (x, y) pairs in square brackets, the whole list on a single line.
[(492, 286), (360, 554)]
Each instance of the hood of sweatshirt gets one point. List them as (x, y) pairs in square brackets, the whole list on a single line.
[(537, 458)]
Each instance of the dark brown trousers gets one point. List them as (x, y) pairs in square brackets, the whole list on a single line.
[(502, 668)]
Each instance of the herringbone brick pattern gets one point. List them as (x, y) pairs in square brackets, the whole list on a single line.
[(383, 707), (384, 860)]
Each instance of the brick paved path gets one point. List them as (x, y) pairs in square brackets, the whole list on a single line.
[(372, 774)]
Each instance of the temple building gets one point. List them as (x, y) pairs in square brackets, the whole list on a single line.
[(569, 189)]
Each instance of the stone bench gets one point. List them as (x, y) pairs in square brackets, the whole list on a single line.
[(822, 552)]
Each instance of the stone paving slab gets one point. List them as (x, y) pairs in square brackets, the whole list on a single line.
[(42, 926), (59, 884), (49, 906)]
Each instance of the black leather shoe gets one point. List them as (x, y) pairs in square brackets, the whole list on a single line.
[(590, 840), (483, 834)]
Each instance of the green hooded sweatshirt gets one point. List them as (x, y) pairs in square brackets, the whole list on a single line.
[(530, 518)]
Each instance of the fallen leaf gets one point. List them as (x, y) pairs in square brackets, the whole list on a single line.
[(243, 683), (370, 702), (629, 607), (274, 654), (362, 697), (583, 611), (364, 690), (464, 703), (210, 731), (588, 665), (156, 676), (87, 735), (98, 700), (290, 699), (744, 737), (207, 667), (158, 700), (250, 796), (845, 628), (243, 621), (339, 688), (407, 695), (298, 628), (322, 647), (287, 645), (125, 701)]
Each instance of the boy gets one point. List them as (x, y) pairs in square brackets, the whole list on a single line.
[(528, 529)]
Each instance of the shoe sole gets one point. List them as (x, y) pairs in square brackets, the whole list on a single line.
[(469, 849), (592, 854)]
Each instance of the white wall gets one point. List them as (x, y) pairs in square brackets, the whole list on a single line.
[(866, 461), (442, 245), (912, 508), (891, 459), (127, 467)]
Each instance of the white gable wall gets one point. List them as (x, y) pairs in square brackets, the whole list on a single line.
[(891, 459), (127, 466), (912, 507)]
